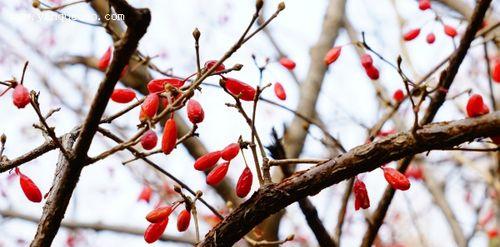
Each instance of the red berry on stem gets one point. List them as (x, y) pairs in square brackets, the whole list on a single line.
[(183, 220), (124, 95), (398, 95), (237, 87), (366, 60), (279, 91), (150, 105), (229, 152), (103, 62), (154, 231), (372, 72), (195, 112), (217, 174), (412, 34), (244, 183), (450, 31), (20, 96), (495, 74), (361, 199), (332, 55), (424, 4), (31, 191), (207, 161), (146, 193), (149, 140), (476, 107), (158, 85), (430, 38), (211, 63), (396, 179), (159, 214), (169, 138), (287, 63)]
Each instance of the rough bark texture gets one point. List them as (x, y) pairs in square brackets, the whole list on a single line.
[(271, 199)]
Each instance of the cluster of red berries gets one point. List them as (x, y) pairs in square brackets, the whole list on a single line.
[(430, 38), (366, 62), (159, 221)]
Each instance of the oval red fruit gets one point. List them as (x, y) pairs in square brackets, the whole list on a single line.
[(207, 161), (424, 4), (414, 172), (158, 85), (229, 152), (372, 72), (31, 191), (103, 62), (183, 220), (287, 63), (145, 194), (495, 74), (398, 95), (217, 174), (149, 140), (154, 231), (123, 95), (237, 87), (396, 179), (366, 60), (159, 214), (430, 38), (450, 31), (195, 112), (476, 107), (150, 105), (210, 63), (169, 138), (244, 183), (20, 96), (332, 55), (279, 91), (412, 34), (361, 199)]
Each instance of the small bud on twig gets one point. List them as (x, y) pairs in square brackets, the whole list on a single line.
[(36, 4), (259, 4), (177, 188), (3, 139), (196, 34), (281, 6), (238, 66)]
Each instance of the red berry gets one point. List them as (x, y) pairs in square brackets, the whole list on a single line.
[(207, 161), (372, 72), (149, 140), (150, 105), (476, 107), (159, 214), (169, 138), (209, 64), (366, 60), (412, 34), (361, 199), (154, 231), (279, 91), (398, 95), (31, 191), (414, 172), (229, 152), (492, 233), (237, 87), (20, 96), (217, 174), (495, 74), (244, 183), (287, 63), (332, 55), (195, 112), (424, 4), (430, 38), (124, 95), (158, 85), (183, 220), (103, 62), (146, 193), (450, 31), (396, 179)]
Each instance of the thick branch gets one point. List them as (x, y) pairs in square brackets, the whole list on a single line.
[(275, 197)]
